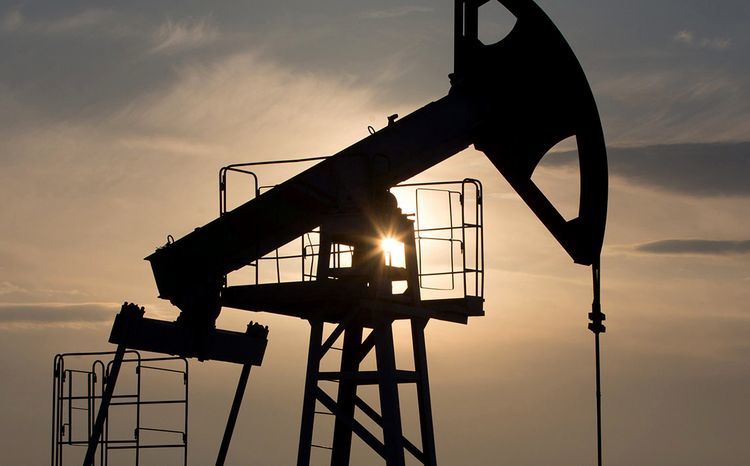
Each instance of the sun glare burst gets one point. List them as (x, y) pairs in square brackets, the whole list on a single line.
[(394, 251)]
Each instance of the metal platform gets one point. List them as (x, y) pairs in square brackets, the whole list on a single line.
[(331, 300)]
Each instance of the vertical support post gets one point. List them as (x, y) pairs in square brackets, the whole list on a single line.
[(598, 401), (56, 410), (70, 407), (138, 373), (89, 405), (324, 254), (471, 20), (597, 326), (411, 261), (423, 392), (393, 437), (458, 36), (310, 399), (347, 393), (101, 416), (186, 380), (233, 413)]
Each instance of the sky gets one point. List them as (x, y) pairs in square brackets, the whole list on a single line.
[(116, 116)]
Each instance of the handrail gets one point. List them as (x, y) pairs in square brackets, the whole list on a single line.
[(468, 231), (64, 395)]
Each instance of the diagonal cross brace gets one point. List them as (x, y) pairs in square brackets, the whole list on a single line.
[(378, 419), (361, 430), (356, 427)]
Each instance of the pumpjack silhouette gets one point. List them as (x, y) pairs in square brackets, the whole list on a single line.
[(512, 100)]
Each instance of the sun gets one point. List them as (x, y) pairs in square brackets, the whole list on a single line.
[(393, 250)]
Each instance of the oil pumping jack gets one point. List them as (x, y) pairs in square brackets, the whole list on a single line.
[(513, 100)]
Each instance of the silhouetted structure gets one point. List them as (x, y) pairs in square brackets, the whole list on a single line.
[(79, 380), (348, 278), (513, 100), (132, 332)]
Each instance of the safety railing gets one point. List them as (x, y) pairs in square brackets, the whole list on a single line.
[(461, 230), (276, 257), (79, 390)]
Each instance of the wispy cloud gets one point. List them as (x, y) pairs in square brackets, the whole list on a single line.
[(689, 38), (394, 12), (684, 37), (7, 287), (55, 314), (15, 21), (11, 21), (695, 246), (230, 104), (687, 102), (12, 291), (711, 169), (173, 36)]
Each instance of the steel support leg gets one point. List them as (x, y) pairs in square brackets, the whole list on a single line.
[(309, 400), (388, 387), (347, 393), (423, 392), (353, 351), (233, 413), (101, 416)]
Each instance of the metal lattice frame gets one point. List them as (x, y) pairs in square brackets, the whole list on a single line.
[(68, 397)]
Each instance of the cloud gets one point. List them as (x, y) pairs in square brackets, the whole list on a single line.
[(7, 287), (706, 169), (716, 43), (679, 101), (12, 21), (173, 36), (134, 163), (688, 38), (15, 21), (394, 12), (55, 314), (11, 291), (684, 37), (695, 246), (235, 104)]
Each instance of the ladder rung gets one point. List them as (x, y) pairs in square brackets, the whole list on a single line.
[(367, 377)]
